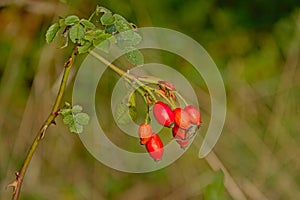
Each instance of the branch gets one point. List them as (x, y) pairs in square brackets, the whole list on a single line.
[(17, 184), (121, 73)]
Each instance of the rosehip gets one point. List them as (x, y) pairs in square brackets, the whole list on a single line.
[(145, 132), (155, 147), (178, 133), (191, 132), (194, 113), (180, 136), (183, 143), (182, 118), (163, 114)]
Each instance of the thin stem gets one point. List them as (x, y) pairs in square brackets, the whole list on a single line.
[(17, 184), (170, 101), (92, 15), (121, 73)]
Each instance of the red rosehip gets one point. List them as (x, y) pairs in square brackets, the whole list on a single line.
[(163, 114), (155, 147), (194, 113), (183, 143), (191, 132), (182, 118), (180, 136), (145, 132), (178, 133)]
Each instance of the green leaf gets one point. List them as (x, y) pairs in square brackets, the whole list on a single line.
[(122, 115), (72, 19), (89, 38), (101, 9), (128, 38), (76, 109), (132, 112), (121, 23), (76, 32), (98, 33), (111, 29), (107, 19), (132, 106), (131, 100), (85, 48), (68, 120), (51, 32), (101, 38), (65, 111), (76, 128), (62, 22), (87, 23), (82, 118), (134, 56)]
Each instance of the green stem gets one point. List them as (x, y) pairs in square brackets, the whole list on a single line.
[(121, 73), (17, 184)]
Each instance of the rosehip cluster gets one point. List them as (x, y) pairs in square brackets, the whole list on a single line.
[(152, 141), (184, 123)]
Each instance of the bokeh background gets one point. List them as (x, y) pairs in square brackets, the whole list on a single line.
[(255, 45)]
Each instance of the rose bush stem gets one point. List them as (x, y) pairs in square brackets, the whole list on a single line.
[(17, 184)]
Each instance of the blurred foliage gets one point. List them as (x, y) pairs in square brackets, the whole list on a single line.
[(255, 44)]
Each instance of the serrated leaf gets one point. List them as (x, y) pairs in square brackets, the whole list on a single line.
[(51, 32), (101, 9), (76, 128), (131, 100), (72, 19), (76, 33), (82, 118), (101, 38), (69, 119), (97, 33), (128, 38), (122, 114), (134, 56), (132, 112), (87, 23), (121, 23), (76, 109), (107, 19), (85, 48), (111, 29), (88, 37), (62, 22), (65, 111)]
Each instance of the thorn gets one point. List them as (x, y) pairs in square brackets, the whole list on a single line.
[(14, 184), (53, 122), (43, 131), (69, 62)]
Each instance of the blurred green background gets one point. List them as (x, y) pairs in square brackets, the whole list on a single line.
[(255, 45)]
